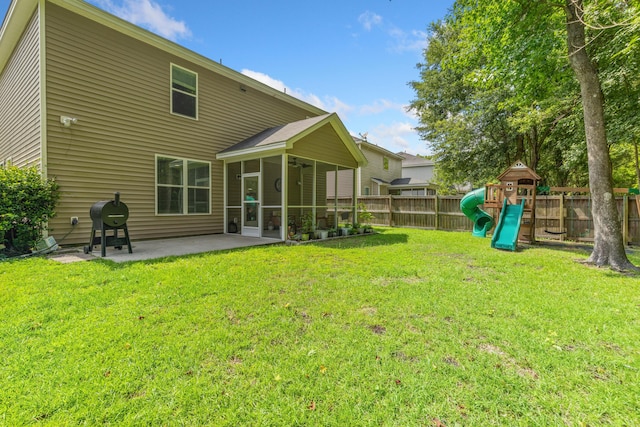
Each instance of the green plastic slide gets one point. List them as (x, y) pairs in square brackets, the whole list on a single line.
[(482, 221), (505, 236)]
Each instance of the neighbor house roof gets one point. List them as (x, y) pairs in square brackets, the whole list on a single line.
[(380, 181), (20, 12), (409, 181), (373, 147), (410, 161)]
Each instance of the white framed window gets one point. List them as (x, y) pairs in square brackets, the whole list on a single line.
[(367, 191), (183, 186), (184, 92), (385, 163)]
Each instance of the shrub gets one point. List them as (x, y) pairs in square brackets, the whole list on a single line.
[(27, 202), (363, 214)]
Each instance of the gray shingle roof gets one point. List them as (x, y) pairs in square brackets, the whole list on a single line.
[(276, 134), (410, 160), (408, 181)]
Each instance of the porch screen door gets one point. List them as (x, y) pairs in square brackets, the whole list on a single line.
[(251, 205)]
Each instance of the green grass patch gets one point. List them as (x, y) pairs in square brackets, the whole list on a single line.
[(406, 327)]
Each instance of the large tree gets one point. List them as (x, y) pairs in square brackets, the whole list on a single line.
[(469, 135), (523, 78), (608, 246), (477, 111)]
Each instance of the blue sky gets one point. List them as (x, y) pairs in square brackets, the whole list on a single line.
[(354, 57)]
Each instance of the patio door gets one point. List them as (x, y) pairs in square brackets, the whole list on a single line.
[(251, 204)]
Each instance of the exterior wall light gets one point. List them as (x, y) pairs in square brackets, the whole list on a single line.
[(68, 121)]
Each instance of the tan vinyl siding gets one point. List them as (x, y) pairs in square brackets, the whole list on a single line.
[(324, 145), (375, 169), (345, 183), (20, 100), (119, 90)]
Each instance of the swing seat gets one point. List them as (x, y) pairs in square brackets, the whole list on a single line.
[(555, 232)]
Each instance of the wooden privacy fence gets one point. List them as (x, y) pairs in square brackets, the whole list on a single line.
[(557, 217)]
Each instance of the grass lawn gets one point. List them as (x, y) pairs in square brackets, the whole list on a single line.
[(407, 327)]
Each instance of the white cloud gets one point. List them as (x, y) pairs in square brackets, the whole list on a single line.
[(337, 106), (327, 103), (266, 79), (415, 40), (400, 40), (369, 19), (411, 114), (397, 136), (395, 131), (380, 106), (147, 14)]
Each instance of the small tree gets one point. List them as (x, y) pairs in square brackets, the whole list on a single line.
[(363, 214), (27, 202)]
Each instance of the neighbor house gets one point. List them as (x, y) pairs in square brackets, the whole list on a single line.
[(399, 174), (382, 168), (375, 177), (418, 174), (192, 146)]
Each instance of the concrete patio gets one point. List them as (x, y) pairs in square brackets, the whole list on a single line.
[(153, 249)]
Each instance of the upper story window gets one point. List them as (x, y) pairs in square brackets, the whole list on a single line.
[(385, 163), (184, 92)]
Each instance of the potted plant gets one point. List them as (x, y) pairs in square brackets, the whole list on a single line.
[(332, 232), (291, 234), (322, 234), (307, 225), (345, 229)]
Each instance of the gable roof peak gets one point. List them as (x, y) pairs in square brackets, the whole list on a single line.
[(518, 167)]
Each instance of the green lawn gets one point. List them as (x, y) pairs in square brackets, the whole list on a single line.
[(407, 327)]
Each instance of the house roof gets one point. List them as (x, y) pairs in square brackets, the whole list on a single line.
[(380, 181), (20, 12), (409, 182), (373, 147), (409, 160), (284, 136), (276, 135), (519, 170)]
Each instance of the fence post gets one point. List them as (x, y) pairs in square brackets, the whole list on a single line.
[(562, 217), (625, 219), (390, 210), (437, 201)]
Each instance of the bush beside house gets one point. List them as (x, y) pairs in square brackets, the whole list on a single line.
[(27, 202)]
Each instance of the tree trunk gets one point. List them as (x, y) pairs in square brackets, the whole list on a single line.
[(608, 248), (535, 144), (635, 146)]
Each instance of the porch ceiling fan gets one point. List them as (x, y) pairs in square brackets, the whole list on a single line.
[(294, 163)]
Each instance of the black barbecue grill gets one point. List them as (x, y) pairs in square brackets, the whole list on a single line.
[(109, 215)]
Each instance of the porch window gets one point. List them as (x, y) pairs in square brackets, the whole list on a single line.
[(184, 92), (183, 186)]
